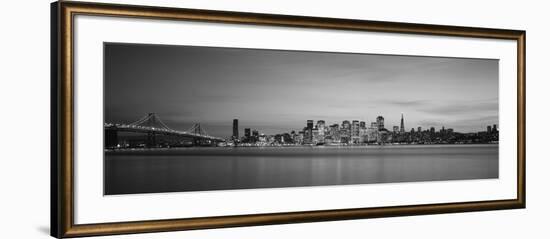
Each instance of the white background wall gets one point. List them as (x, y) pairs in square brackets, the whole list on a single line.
[(24, 92)]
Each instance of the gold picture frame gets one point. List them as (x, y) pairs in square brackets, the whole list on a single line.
[(62, 161)]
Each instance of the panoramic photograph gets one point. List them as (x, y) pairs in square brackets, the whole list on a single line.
[(195, 118)]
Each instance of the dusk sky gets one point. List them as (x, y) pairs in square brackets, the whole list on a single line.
[(276, 91)]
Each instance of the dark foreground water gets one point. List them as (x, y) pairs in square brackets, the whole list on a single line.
[(198, 169)]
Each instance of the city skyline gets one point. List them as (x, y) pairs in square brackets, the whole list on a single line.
[(275, 91), (240, 129), (359, 133)]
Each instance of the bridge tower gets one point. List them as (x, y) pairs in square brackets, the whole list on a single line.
[(154, 122), (199, 131), (155, 133)]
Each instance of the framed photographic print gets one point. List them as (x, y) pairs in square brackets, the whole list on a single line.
[(170, 119)]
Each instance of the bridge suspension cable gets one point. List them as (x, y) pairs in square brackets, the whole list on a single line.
[(151, 120), (197, 129), (152, 123), (140, 121)]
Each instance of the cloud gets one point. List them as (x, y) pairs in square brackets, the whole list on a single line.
[(462, 107), (410, 103)]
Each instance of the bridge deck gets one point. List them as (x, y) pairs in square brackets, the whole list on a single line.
[(146, 129)]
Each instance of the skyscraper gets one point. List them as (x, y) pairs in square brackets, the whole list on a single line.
[(235, 128), (255, 136), (402, 130), (334, 132), (346, 127), (321, 127), (308, 136), (247, 133), (374, 125), (345, 131), (309, 124), (308, 132), (316, 138), (380, 122), (355, 131), (346, 124), (355, 128)]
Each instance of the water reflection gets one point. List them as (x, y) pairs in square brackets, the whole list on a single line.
[(199, 169)]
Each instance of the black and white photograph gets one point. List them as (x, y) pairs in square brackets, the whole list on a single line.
[(272, 119), (193, 118)]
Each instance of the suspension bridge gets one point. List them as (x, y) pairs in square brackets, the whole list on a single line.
[(150, 131)]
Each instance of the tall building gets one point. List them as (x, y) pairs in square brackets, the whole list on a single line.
[(419, 129), (355, 128), (346, 124), (494, 128), (372, 133), (308, 132), (334, 133), (362, 125), (488, 129), (355, 131), (321, 127), (402, 130), (246, 134), (255, 136), (309, 124), (346, 129), (395, 129), (380, 122), (308, 136), (363, 135), (235, 128), (374, 125), (432, 130), (316, 137), (299, 138)]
